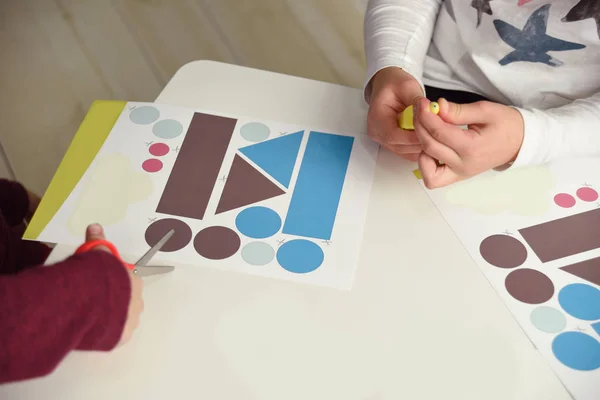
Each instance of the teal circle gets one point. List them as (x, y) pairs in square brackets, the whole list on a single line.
[(258, 222), (255, 131), (167, 129), (258, 253), (144, 115), (548, 319), (300, 256)]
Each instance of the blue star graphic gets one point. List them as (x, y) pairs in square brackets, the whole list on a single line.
[(532, 44)]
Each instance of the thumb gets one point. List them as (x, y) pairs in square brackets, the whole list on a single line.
[(94, 232), (463, 114)]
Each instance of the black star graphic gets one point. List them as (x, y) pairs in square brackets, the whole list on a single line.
[(482, 6), (585, 9)]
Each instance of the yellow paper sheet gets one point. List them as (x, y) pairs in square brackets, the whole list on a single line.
[(88, 140)]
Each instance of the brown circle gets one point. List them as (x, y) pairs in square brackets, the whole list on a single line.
[(217, 242), (529, 286), (503, 251), (158, 229)]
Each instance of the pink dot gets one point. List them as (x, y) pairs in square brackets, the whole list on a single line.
[(587, 194), (152, 165), (159, 149), (564, 200)]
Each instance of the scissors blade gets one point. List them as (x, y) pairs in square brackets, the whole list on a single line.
[(152, 270), (154, 249)]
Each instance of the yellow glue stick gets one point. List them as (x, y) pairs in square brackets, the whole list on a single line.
[(405, 119)]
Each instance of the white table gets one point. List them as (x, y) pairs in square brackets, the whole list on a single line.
[(421, 321)]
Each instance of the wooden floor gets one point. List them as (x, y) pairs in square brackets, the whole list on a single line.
[(58, 56)]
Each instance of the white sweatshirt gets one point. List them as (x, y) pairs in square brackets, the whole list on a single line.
[(543, 57)]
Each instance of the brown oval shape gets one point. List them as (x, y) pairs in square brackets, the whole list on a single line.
[(217, 242), (503, 251), (529, 286), (158, 229)]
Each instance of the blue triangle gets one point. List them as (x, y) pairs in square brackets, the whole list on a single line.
[(276, 157)]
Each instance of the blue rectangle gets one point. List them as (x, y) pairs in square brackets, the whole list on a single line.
[(319, 186)]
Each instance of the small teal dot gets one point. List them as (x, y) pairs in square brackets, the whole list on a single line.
[(581, 301), (577, 350), (548, 319), (258, 253), (258, 222), (144, 115), (300, 256), (255, 132), (167, 129)]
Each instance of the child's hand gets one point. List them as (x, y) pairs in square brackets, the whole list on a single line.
[(493, 138), (393, 91), (136, 304)]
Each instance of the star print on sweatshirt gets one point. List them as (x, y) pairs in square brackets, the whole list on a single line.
[(540, 56), (482, 6), (585, 9), (532, 44)]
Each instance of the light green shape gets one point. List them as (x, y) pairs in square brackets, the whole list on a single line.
[(88, 140), (167, 129), (255, 132), (548, 319), (522, 191), (144, 115), (258, 253)]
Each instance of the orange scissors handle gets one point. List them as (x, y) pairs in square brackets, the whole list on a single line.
[(87, 246)]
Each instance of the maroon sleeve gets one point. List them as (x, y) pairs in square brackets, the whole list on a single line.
[(46, 312), (14, 202)]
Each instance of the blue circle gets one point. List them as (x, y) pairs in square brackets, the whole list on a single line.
[(300, 256), (581, 301), (258, 222), (577, 350), (144, 115), (167, 129)]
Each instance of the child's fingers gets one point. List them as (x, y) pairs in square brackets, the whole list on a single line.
[(434, 175), (435, 149), (402, 150), (95, 232), (382, 123), (448, 134), (464, 114)]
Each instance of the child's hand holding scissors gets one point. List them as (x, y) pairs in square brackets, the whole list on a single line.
[(96, 241)]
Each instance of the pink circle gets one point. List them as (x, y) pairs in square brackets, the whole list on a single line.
[(587, 194), (564, 200), (152, 165), (159, 149)]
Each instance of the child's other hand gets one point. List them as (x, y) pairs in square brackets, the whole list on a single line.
[(392, 91), (136, 304), (493, 138)]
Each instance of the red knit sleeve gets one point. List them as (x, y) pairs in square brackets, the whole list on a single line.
[(14, 202), (46, 312)]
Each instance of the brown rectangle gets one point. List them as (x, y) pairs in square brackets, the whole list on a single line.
[(197, 167), (564, 237)]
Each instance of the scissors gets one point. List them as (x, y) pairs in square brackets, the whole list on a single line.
[(140, 268)]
